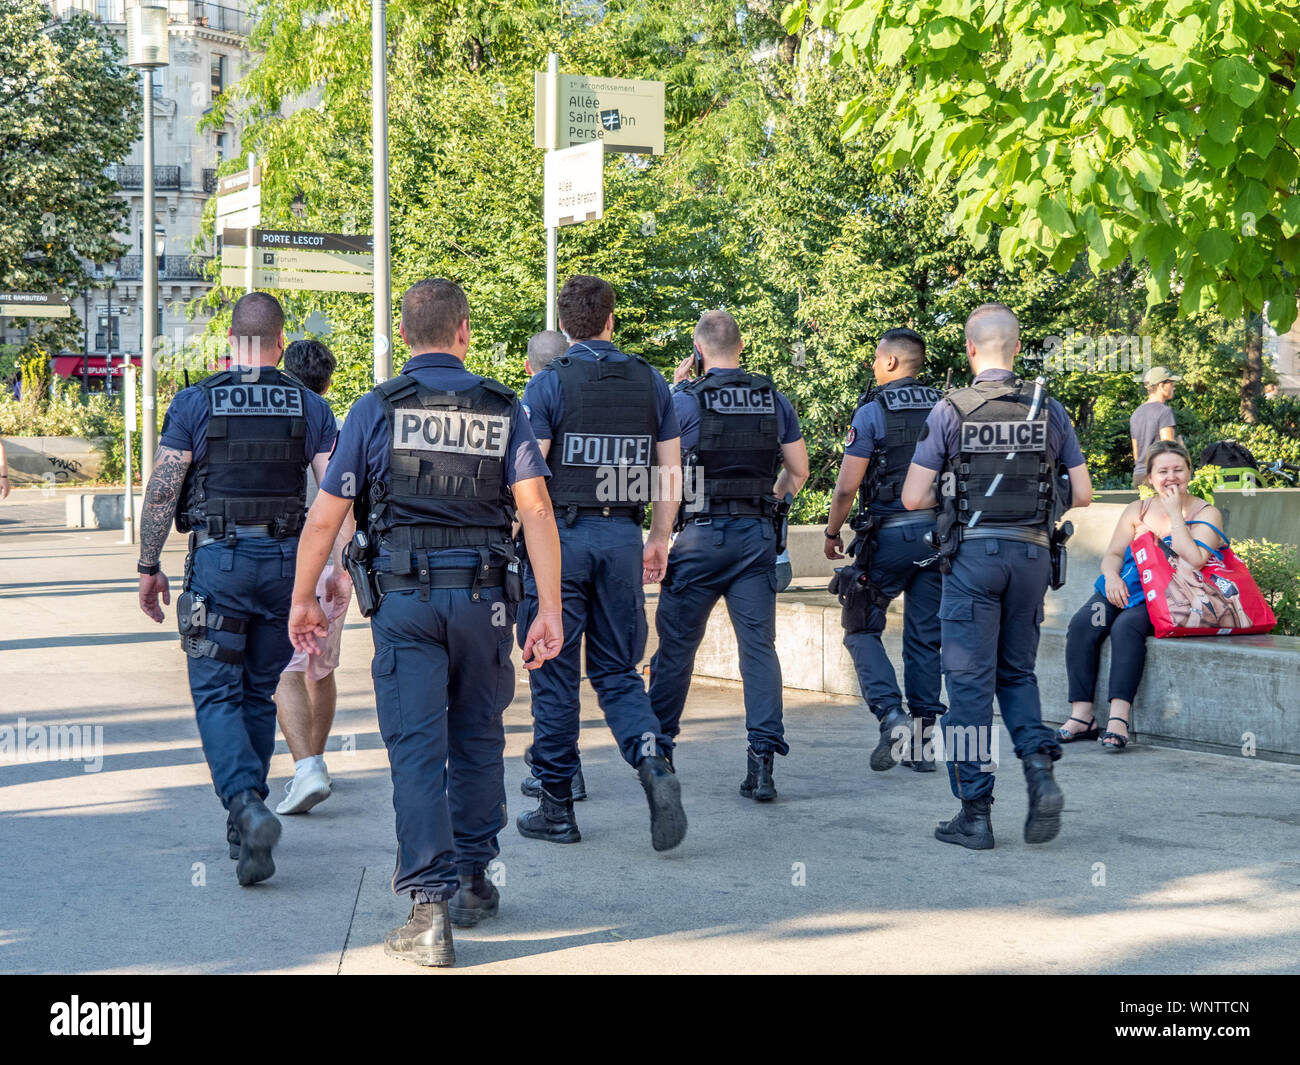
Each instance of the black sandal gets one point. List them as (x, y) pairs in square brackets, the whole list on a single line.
[(1120, 741), (1064, 735)]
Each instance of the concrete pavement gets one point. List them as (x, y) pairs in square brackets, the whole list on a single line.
[(1169, 861)]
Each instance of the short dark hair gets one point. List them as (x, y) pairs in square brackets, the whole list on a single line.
[(717, 334), (257, 316), (584, 305), (907, 344), (432, 311), (311, 362)]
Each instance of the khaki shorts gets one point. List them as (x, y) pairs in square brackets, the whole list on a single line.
[(320, 666)]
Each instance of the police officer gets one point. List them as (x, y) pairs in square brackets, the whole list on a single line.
[(436, 460), (737, 430), (231, 469), (605, 421), (891, 547), (542, 349), (998, 444)]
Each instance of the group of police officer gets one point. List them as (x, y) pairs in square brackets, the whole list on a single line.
[(482, 520)]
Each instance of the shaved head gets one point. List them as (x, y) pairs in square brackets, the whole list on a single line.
[(718, 335), (545, 346), (994, 330), (259, 316), (906, 345)]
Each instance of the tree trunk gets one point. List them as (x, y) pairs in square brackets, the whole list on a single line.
[(1252, 374), (789, 48)]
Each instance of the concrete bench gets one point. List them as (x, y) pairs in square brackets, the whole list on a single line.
[(1216, 694)]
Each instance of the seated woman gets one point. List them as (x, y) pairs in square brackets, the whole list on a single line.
[(1117, 607)]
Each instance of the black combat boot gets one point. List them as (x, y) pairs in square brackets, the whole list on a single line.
[(1046, 800), (552, 821), (664, 794), (259, 831), (758, 783), (882, 757), (532, 787), (232, 837), (972, 827), (922, 753), (425, 938), (477, 899)]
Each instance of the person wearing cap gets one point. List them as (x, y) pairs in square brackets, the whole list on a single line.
[(1153, 420)]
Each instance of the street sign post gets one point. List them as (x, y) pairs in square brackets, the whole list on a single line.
[(618, 114), (34, 305), (574, 185), (310, 262), (239, 207), (625, 113)]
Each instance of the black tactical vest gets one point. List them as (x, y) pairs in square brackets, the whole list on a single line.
[(906, 404), (739, 450), (255, 469), (447, 457), (1004, 467), (611, 418)]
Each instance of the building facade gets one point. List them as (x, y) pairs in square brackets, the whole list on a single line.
[(208, 46)]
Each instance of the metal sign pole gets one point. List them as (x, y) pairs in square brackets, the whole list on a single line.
[(552, 142), (150, 285), (379, 150), (129, 425), (248, 233)]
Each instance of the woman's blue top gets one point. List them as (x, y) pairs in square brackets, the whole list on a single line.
[(1128, 572)]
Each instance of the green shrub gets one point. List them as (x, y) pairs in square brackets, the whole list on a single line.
[(1276, 569)]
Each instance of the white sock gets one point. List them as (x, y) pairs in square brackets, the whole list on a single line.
[(304, 765)]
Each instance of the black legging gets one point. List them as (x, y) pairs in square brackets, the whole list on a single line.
[(1128, 630)]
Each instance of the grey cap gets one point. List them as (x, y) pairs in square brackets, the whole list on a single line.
[(1157, 375)]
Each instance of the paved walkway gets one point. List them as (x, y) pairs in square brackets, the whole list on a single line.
[(1169, 861)]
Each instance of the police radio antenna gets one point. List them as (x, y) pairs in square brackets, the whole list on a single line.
[(1034, 405)]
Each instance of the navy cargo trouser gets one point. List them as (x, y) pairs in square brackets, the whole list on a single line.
[(991, 612), (443, 676), (601, 588), (733, 558), (234, 703), (903, 564)]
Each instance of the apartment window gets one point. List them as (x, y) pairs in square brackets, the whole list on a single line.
[(221, 145), (218, 75)]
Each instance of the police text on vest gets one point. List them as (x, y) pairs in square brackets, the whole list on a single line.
[(257, 399), (461, 432), (606, 449), (1004, 436)]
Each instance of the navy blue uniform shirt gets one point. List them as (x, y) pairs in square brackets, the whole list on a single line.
[(363, 445), (544, 398), (865, 433), (687, 408), (185, 426), (940, 441)]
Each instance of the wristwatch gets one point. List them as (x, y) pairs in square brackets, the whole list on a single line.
[(829, 535), (148, 571)]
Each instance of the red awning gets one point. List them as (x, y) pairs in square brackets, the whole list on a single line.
[(70, 365)]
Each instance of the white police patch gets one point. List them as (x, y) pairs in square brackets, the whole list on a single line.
[(1004, 436), (736, 399), (271, 400), (606, 449), (913, 397), (460, 432)]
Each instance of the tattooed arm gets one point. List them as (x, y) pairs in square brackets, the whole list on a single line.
[(160, 500)]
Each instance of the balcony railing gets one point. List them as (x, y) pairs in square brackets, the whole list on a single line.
[(170, 268), (229, 17), (132, 177), (209, 180)]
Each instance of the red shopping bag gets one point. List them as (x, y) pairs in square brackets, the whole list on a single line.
[(1220, 599)]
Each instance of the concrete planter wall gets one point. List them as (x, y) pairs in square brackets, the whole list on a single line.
[(54, 459)]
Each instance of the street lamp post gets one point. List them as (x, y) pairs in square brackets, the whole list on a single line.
[(110, 275), (146, 47), (379, 161)]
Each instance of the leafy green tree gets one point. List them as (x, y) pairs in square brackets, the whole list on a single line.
[(1167, 131), (68, 109)]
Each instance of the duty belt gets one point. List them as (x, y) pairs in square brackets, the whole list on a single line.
[(235, 531), (919, 517), (461, 577), (1007, 532), (573, 512)]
